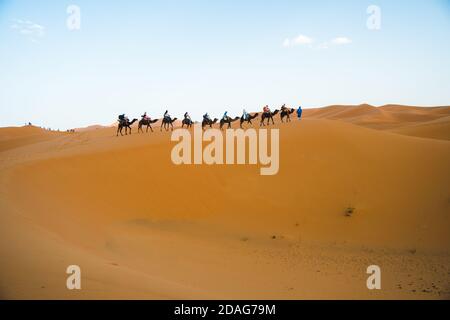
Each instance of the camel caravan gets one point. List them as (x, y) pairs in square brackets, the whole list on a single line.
[(266, 118)]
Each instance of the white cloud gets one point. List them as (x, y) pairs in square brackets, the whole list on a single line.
[(28, 28), (299, 40), (341, 41)]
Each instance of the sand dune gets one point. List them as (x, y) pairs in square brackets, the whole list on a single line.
[(11, 138), (141, 227), (434, 129), (385, 118)]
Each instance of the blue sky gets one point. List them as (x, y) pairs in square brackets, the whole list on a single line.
[(135, 56)]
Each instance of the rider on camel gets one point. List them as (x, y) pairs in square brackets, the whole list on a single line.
[(225, 116), (245, 115), (122, 117)]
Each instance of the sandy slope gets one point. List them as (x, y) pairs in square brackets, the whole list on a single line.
[(141, 227), (415, 121)]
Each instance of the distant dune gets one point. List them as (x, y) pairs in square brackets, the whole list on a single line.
[(385, 117), (11, 138), (93, 127), (357, 186)]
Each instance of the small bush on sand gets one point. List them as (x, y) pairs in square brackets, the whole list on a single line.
[(349, 211)]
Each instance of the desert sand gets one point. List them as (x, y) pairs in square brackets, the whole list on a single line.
[(141, 227)]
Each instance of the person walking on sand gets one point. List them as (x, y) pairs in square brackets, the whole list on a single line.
[(299, 113)]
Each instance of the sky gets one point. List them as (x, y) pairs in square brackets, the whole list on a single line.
[(215, 56)]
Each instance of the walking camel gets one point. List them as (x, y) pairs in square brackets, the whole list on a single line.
[(187, 122), (286, 113), (228, 121), (248, 119), (167, 123), (146, 122), (125, 123), (268, 116), (208, 122)]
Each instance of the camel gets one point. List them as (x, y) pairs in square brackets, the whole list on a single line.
[(125, 124), (286, 113), (187, 122), (167, 122), (248, 119), (208, 122), (146, 122), (228, 120), (268, 116)]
